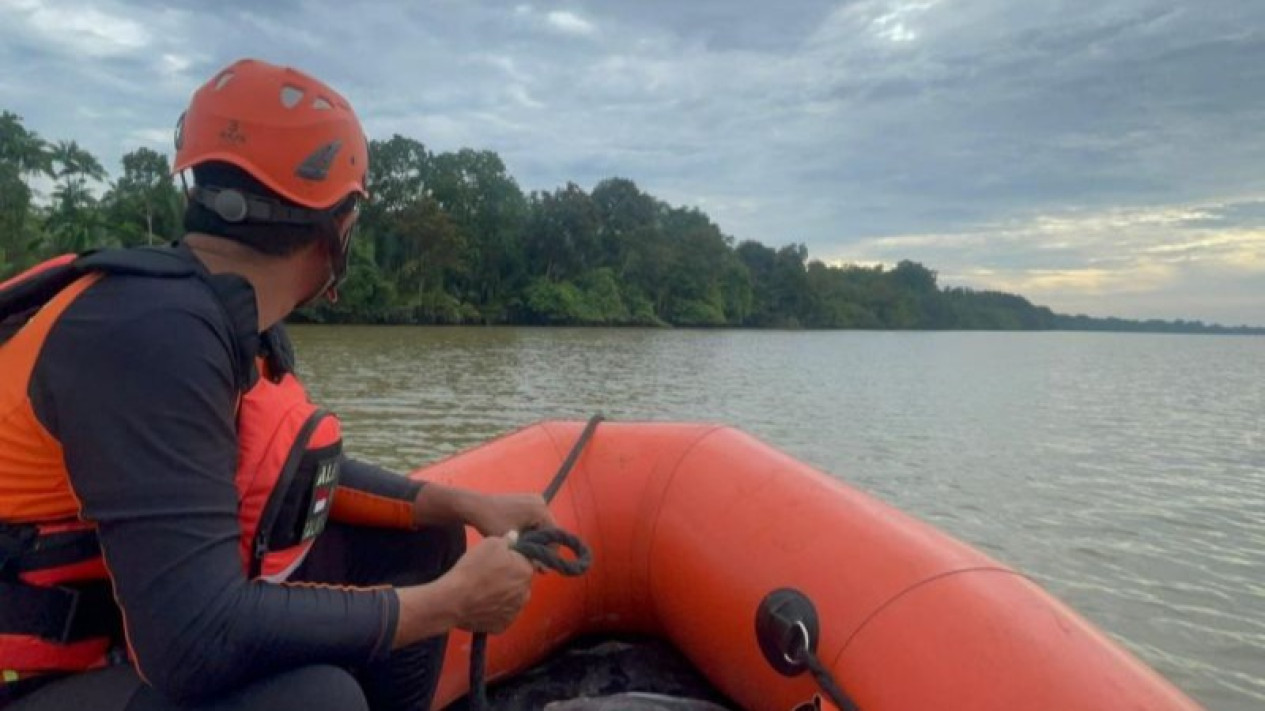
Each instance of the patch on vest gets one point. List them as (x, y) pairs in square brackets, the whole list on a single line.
[(308, 498), (322, 497)]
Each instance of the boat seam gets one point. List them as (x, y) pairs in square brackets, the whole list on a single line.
[(834, 664), (658, 512)]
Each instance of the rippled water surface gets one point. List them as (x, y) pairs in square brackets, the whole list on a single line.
[(1126, 473)]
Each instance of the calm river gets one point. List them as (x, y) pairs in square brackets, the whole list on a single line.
[(1125, 473)]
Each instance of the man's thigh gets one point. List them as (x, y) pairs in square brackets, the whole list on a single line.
[(312, 688)]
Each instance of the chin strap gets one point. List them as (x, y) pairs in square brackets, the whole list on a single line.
[(340, 256)]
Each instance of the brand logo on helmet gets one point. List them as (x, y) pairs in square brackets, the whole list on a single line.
[(316, 166), (232, 134)]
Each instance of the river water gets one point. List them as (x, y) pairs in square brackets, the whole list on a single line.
[(1123, 472)]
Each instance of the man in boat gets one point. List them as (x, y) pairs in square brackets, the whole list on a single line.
[(178, 525)]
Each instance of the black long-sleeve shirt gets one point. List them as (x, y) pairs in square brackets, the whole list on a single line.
[(138, 382)]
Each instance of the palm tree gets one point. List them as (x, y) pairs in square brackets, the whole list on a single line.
[(22, 149), (22, 153), (74, 222), (76, 166)]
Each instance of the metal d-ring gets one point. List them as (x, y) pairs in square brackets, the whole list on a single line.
[(808, 642), (784, 619)]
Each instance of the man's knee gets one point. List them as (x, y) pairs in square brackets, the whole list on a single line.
[(423, 555), (441, 546), (319, 687)]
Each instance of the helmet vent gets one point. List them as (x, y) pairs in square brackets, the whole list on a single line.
[(316, 166), (322, 104), (291, 96), (223, 79)]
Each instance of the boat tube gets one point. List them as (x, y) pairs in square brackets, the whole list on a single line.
[(743, 558)]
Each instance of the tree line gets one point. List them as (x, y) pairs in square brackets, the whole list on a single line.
[(451, 238)]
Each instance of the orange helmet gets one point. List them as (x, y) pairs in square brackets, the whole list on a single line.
[(286, 129)]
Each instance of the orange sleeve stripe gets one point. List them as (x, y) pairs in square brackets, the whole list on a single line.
[(127, 628), (361, 508), (333, 586)]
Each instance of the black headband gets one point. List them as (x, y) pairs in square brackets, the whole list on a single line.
[(234, 206)]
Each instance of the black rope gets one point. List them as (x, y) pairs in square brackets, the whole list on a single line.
[(478, 672), (572, 457), (824, 679), (539, 546)]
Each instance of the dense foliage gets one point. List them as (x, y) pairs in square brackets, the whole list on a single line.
[(450, 238)]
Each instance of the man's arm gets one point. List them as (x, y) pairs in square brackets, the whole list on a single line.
[(144, 410), (369, 495), (487, 587)]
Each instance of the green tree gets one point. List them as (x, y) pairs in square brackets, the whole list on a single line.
[(561, 235), (75, 222), (759, 262), (398, 171), (22, 149), (22, 154), (144, 206), (790, 298), (696, 276), (625, 215), (433, 248), (489, 209)]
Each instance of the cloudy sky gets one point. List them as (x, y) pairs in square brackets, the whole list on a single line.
[(1098, 156)]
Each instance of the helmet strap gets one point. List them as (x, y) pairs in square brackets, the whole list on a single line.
[(340, 253), (235, 207)]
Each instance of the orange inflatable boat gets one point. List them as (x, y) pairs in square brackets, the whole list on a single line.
[(725, 547)]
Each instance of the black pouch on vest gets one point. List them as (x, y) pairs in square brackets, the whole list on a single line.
[(309, 495)]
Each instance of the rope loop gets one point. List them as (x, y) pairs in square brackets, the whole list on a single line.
[(538, 546)]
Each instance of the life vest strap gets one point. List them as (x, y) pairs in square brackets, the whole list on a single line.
[(61, 614), (15, 543), (25, 548)]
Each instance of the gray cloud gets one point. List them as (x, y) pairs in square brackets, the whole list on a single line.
[(838, 124)]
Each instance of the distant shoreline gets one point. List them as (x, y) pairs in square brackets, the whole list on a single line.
[(451, 238), (1214, 330)]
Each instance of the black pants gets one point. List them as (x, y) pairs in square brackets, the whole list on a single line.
[(405, 681)]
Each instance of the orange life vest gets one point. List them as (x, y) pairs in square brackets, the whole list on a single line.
[(57, 612)]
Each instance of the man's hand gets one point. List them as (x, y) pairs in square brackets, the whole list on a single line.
[(497, 581), (490, 514), (498, 514), (484, 592)]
